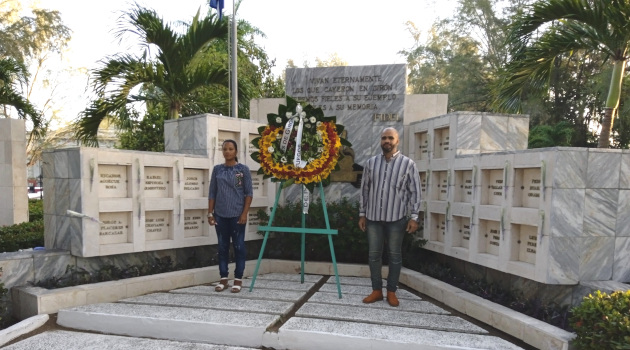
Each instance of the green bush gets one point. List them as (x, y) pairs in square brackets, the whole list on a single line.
[(22, 236), (602, 321), (35, 210), (350, 243)]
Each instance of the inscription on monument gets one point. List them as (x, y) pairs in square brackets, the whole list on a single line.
[(157, 225), (442, 143), (462, 232), (531, 188), (492, 237), (439, 227), (423, 182), (464, 186), (494, 187), (114, 228), (258, 185), (528, 243), (253, 221), (374, 92), (156, 182), (193, 183), (440, 185), (112, 181), (193, 223), (423, 146)]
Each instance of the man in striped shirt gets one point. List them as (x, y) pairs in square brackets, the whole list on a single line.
[(390, 202)]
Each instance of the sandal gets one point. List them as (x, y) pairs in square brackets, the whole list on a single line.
[(223, 284), (237, 285)]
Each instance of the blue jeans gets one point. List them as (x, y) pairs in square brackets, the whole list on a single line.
[(377, 232), (229, 229)]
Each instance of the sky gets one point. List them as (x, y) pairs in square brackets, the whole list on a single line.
[(360, 32)]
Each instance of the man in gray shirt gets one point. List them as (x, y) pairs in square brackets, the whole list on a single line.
[(390, 191)]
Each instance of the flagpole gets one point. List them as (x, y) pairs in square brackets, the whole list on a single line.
[(234, 64)]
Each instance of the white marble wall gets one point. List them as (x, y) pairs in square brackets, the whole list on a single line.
[(555, 215), (13, 185), (145, 201)]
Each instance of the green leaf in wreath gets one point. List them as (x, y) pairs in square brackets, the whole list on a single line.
[(261, 129), (255, 141), (339, 128), (260, 171), (256, 156), (288, 183), (345, 142)]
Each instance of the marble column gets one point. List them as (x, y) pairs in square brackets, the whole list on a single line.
[(13, 186)]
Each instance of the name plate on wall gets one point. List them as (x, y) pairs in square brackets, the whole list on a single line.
[(258, 185), (463, 231), (528, 244), (423, 183), (252, 220), (156, 182), (492, 237), (495, 187), (531, 188), (193, 183), (112, 181), (423, 146), (157, 225), (194, 221), (466, 186), (114, 228)]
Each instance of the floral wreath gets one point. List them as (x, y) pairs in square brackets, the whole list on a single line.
[(307, 162)]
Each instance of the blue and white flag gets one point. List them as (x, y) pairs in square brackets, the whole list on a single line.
[(218, 5)]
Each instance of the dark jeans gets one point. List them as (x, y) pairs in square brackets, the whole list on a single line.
[(229, 229), (377, 233)]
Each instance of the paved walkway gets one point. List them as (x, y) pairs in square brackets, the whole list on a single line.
[(280, 313)]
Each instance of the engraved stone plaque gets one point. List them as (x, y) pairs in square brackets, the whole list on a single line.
[(422, 153), (112, 181), (531, 186), (442, 143), (156, 182), (494, 187), (114, 228), (492, 237), (193, 183), (258, 185), (157, 225), (528, 242), (227, 135), (462, 232), (439, 227), (252, 220), (464, 186), (423, 182), (194, 220), (440, 185)]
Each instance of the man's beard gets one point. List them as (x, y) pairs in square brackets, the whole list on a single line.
[(387, 148)]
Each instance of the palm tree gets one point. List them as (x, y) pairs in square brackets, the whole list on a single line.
[(11, 73), (172, 78), (567, 26)]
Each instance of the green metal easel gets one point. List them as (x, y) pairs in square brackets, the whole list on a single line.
[(303, 230)]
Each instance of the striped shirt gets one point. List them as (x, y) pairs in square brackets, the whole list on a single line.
[(390, 190), (229, 185)]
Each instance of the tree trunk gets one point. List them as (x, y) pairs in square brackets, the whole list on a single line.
[(607, 123), (612, 102)]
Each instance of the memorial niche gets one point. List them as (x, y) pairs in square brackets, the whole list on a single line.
[(194, 223), (461, 236), (194, 183), (490, 237), (157, 225), (527, 187), (464, 186), (492, 186), (422, 140), (114, 228), (157, 182), (438, 227), (112, 181), (440, 185), (441, 145), (258, 185), (525, 243)]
